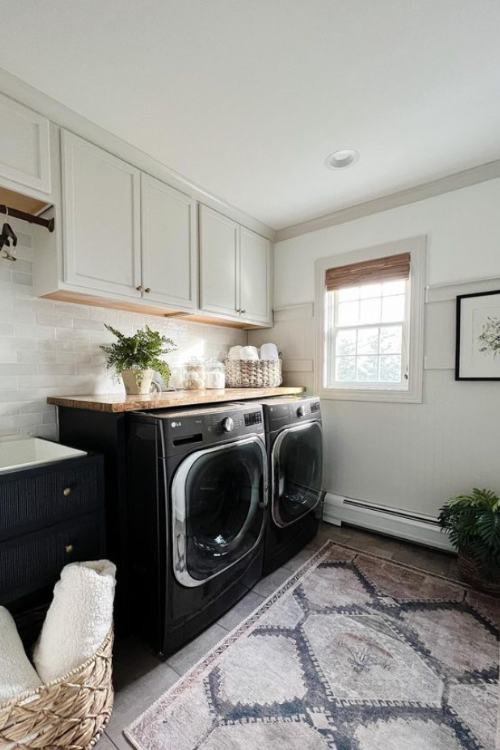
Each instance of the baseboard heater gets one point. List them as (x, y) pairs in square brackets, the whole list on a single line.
[(385, 520)]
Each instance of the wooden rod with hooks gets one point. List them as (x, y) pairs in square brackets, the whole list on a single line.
[(47, 223)]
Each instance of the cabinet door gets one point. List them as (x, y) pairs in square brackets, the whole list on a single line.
[(24, 146), (169, 245), (101, 219), (255, 276), (219, 262)]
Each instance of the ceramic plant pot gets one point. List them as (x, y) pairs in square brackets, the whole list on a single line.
[(137, 382)]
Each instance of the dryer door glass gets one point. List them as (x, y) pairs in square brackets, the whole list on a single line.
[(297, 464), (223, 507)]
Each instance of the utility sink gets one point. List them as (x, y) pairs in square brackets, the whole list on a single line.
[(25, 452)]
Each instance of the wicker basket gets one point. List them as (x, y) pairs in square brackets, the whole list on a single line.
[(473, 573), (249, 373), (67, 713)]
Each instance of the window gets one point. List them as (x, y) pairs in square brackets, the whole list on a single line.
[(370, 336)]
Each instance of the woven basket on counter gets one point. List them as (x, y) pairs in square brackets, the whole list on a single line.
[(250, 373), (67, 713)]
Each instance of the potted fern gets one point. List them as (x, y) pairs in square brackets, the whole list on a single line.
[(136, 358), (473, 524)]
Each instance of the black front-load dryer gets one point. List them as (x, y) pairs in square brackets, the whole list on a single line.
[(294, 438), (197, 512)]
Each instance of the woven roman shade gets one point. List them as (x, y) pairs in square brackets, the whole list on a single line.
[(368, 272)]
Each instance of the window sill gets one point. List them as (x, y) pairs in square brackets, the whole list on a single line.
[(379, 395)]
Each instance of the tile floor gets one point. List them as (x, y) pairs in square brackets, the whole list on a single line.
[(140, 678)]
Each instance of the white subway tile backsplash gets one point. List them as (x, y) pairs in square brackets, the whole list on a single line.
[(52, 348)]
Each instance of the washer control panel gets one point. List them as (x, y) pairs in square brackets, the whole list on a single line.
[(189, 429)]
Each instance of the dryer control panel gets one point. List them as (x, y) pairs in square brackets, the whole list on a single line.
[(281, 412)]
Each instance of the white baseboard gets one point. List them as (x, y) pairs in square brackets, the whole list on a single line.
[(395, 523)]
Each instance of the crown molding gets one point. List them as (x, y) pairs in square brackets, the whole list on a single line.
[(64, 117), (456, 181)]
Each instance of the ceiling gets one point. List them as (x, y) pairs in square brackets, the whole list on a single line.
[(246, 98)]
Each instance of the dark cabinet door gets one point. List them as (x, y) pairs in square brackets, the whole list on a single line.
[(297, 472), (218, 499)]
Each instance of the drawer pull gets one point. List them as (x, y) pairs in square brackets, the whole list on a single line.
[(69, 549), (67, 491)]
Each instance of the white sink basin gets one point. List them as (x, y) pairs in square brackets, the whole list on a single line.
[(25, 452)]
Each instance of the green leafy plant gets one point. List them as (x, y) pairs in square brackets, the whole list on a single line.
[(473, 524), (142, 351)]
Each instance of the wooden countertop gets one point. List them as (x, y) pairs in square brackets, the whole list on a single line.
[(117, 402)]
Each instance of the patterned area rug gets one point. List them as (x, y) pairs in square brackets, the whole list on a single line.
[(353, 652)]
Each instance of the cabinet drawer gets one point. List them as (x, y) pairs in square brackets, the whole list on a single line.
[(36, 560), (30, 500)]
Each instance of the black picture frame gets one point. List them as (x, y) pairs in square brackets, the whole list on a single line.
[(461, 297)]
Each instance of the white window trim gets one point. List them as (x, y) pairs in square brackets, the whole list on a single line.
[(416, 246)]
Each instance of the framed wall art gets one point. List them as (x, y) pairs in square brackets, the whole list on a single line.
[(478, 336)]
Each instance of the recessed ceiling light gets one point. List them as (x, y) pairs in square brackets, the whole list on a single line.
[(346, 157)]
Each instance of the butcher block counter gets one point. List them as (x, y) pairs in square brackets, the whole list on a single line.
[(119, 403)]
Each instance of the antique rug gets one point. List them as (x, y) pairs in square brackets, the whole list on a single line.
[(352, 652)]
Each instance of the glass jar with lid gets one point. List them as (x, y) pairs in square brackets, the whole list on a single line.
[(194, 375), (215, 375)]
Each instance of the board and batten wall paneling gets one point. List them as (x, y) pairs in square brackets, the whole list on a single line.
[(49, 348), (406, 456)]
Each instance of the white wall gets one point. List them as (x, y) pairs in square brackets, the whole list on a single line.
[(407, 456), (52, 348)]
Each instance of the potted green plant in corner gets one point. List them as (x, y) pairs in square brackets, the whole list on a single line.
[(473, 524), (136, 358)]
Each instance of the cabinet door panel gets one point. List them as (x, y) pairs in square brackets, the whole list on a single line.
[(219, 262), (24, 146), (255, 276), (169, 246), (101, 207)]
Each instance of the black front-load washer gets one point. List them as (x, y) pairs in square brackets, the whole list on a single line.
[(294, 438), (197, 508)]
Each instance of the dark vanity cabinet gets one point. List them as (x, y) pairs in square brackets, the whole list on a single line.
[(50, 515)]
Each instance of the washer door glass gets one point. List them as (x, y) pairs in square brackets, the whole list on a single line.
[(297, 472), (223, 508)]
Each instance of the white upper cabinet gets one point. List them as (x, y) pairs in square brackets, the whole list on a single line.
[(169, 245), (218, 263), (101, 219), (235, 269), (24, 146), (255, 276)]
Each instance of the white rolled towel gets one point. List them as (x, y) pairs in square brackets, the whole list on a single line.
[(17, 674), (269, 351), (235, 352), (78, 620), (249, 352)]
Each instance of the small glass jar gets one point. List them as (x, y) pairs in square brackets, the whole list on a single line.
[(215, 375), (194, 375)]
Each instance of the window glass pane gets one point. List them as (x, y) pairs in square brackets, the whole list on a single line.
[(393, 308), (369, 310), (348, 294), (391, 339), (368, 340), (369, 290), (394, 287), (390, 368), (345, 369), (367, 369), (345, 342), (348, 313)]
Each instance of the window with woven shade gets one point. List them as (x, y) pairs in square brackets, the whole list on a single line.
[(367, 322)]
